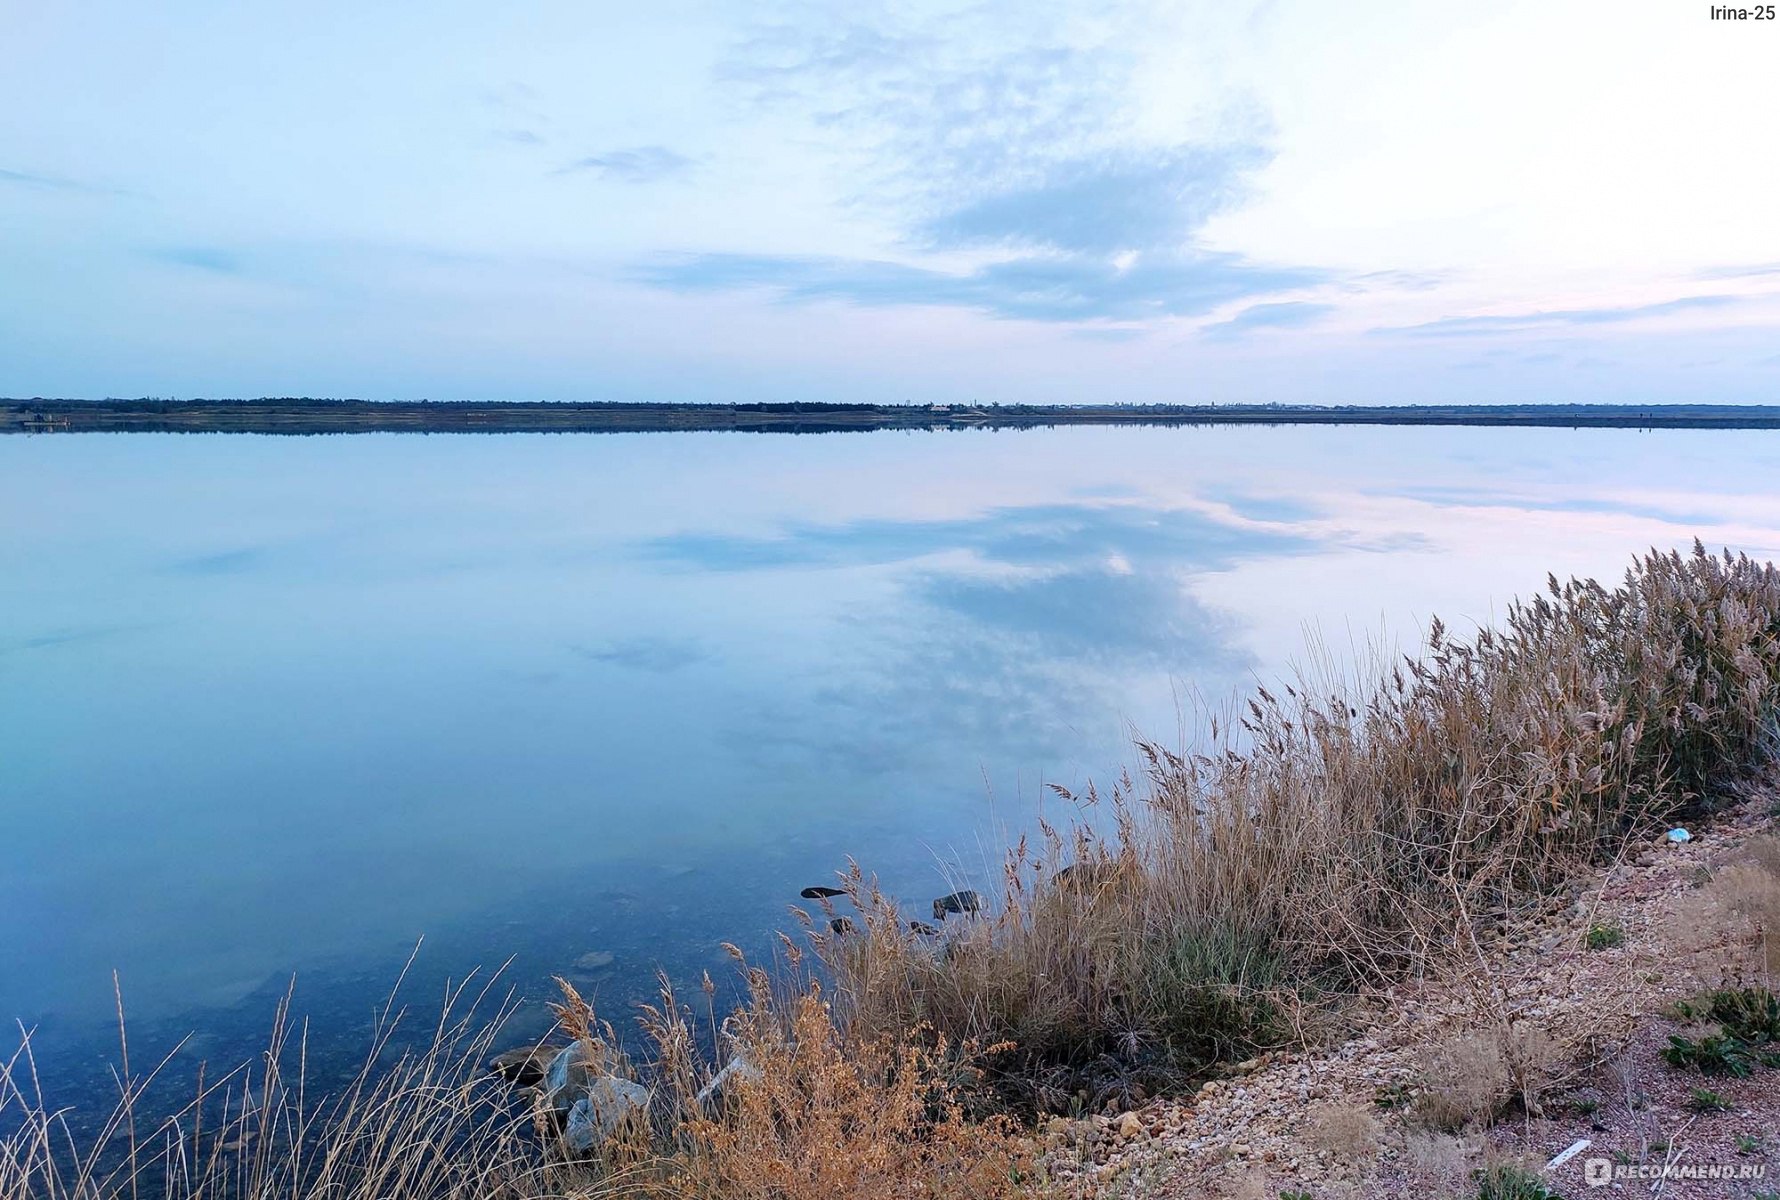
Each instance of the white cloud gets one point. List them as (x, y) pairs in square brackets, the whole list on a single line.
[(966, 177)]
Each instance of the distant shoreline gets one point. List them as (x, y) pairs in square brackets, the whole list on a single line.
[(308, 416)]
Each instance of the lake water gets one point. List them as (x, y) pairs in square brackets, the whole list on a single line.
[(283, 706)]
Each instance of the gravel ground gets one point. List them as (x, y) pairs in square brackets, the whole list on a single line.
[(1358, 1118)]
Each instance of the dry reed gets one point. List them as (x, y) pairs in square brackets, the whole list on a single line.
[(420, 1119), (1336, 837), (1330, 838)]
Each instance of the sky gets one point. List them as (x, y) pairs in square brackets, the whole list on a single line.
[(1283, 200)]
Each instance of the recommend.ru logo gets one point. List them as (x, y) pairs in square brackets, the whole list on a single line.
[(1601, 1172)]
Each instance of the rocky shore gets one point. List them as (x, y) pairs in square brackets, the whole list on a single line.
[(1537, 1049), (1578, 1001)]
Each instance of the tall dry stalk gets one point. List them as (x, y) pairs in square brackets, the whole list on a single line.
[(1337, 836), (820, 1115), (1332, 837), (416, 1120)]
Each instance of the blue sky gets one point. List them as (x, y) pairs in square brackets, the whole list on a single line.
[(1285, 200)]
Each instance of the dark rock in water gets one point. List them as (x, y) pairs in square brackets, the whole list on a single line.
[(841, 924), (1088, 878), (524, 1066), (924, 929), (821, 893), (957, 902)]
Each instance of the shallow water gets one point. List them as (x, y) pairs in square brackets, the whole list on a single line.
[(274, 706)]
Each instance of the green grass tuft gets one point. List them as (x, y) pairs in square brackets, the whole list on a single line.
[(1513, 1183), (1605, 937), (1704, 1100)]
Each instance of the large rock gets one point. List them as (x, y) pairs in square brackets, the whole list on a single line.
[(580, 1088), (572, 1071), (596, 1116)]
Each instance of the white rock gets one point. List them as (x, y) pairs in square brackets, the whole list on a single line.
[(597, 1115)]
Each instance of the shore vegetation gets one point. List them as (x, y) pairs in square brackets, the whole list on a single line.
[(1227, 901)]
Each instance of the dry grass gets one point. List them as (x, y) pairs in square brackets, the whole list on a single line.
[(1469, 1079), (821, 1116), (1747, 892), (1337, 837), (1329, 839), (423, 1121), (817, 1118), (1437, 1161), (1345, 1131)]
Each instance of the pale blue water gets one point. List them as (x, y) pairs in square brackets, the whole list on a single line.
[(275, 706)]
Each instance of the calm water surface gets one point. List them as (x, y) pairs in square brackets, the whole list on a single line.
[(276, 706)]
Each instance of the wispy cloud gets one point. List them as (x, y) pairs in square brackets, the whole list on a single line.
[(1092, 613), (1045, 288), (653, 654), (1469, 326), (638, 164), (67, 636), (1290, 314), (1105, 203), (203, 258), (1052, 537), (1108, 333), (1749, 271), (996, 131), (1406, 281), (51, 183), (516, 114), (224, 562), (1018, 644), (937, 107)]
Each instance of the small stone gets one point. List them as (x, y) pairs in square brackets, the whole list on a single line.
[(1131, 1126)]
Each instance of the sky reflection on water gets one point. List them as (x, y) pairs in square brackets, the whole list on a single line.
[(277, 705)]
